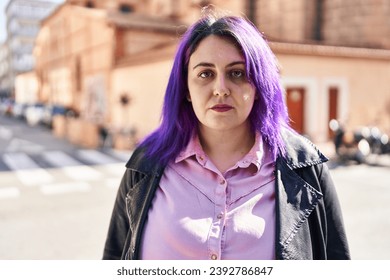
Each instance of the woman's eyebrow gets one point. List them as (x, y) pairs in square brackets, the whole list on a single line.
[(206, 64), (235, 63), (203, 64)]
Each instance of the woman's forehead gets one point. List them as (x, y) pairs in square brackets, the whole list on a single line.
[(216, 48)]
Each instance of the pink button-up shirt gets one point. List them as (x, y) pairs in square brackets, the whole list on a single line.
[(199, 213)]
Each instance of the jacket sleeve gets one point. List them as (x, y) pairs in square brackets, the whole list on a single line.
[(336, 243), (119, 229)]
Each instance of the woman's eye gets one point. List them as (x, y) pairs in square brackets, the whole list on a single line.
[(237, 74), (205, 74)]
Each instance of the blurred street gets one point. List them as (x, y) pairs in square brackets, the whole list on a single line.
[(56, 199)]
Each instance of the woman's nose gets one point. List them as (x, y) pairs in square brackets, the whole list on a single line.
[(221, 88)]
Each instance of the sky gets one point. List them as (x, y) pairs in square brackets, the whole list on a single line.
[(3, 4)]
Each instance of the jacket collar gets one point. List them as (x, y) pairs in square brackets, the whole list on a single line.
[(140, 163), (299, 151)]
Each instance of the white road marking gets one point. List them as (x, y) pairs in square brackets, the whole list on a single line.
[(34, 177), (21, 145), (116, 169), (82, 173), (27, 171), (122, 155), (9, 192), (19, 161), (60, 159), (5, 133), (61, 188), (70, 166), (31, 174), (113, 182), (95, 157)]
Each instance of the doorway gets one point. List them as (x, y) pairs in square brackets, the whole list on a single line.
[(333, 99), (296, 104)]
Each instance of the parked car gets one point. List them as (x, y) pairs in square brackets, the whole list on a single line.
[(34, 114), (50, 111), (19, 110)]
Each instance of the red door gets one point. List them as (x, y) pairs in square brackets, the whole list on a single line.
[(296, 105), (333, 104)]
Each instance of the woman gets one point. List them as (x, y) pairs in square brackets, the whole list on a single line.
[(224, 177)]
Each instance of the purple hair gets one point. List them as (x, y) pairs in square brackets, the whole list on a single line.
[(269, 113)]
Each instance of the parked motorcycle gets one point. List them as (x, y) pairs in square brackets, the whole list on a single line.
[(378, 140), (349, 145), (385, 140)]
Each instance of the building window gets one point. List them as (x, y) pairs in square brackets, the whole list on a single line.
[(125, 8)]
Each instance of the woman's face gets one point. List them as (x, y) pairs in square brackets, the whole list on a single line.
[(221, 95)]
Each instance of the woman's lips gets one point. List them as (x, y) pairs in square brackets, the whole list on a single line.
[(221, 108)]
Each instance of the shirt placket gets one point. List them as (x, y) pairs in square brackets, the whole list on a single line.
[(216, 230)]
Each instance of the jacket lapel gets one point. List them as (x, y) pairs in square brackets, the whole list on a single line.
[(295, 198)]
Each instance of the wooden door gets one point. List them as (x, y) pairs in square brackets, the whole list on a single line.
[(333, 100), (296, 105)]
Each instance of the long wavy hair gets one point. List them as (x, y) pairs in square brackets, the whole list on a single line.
[(178, 120)]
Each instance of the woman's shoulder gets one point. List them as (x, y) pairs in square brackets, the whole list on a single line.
[(300, 151), (139, 161)]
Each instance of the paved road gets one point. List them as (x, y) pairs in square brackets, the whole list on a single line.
[(56, 199), (364, 193)]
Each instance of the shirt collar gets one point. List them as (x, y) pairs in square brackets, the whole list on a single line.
[(194, 148), (254, 156)]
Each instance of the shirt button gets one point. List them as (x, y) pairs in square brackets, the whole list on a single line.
[(219, 216), (201, 158), (222, 181), (214, 257)]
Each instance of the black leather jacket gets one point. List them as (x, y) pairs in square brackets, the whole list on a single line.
[(309, 223)]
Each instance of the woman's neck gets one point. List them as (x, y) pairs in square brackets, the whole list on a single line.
[(225, 148)]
